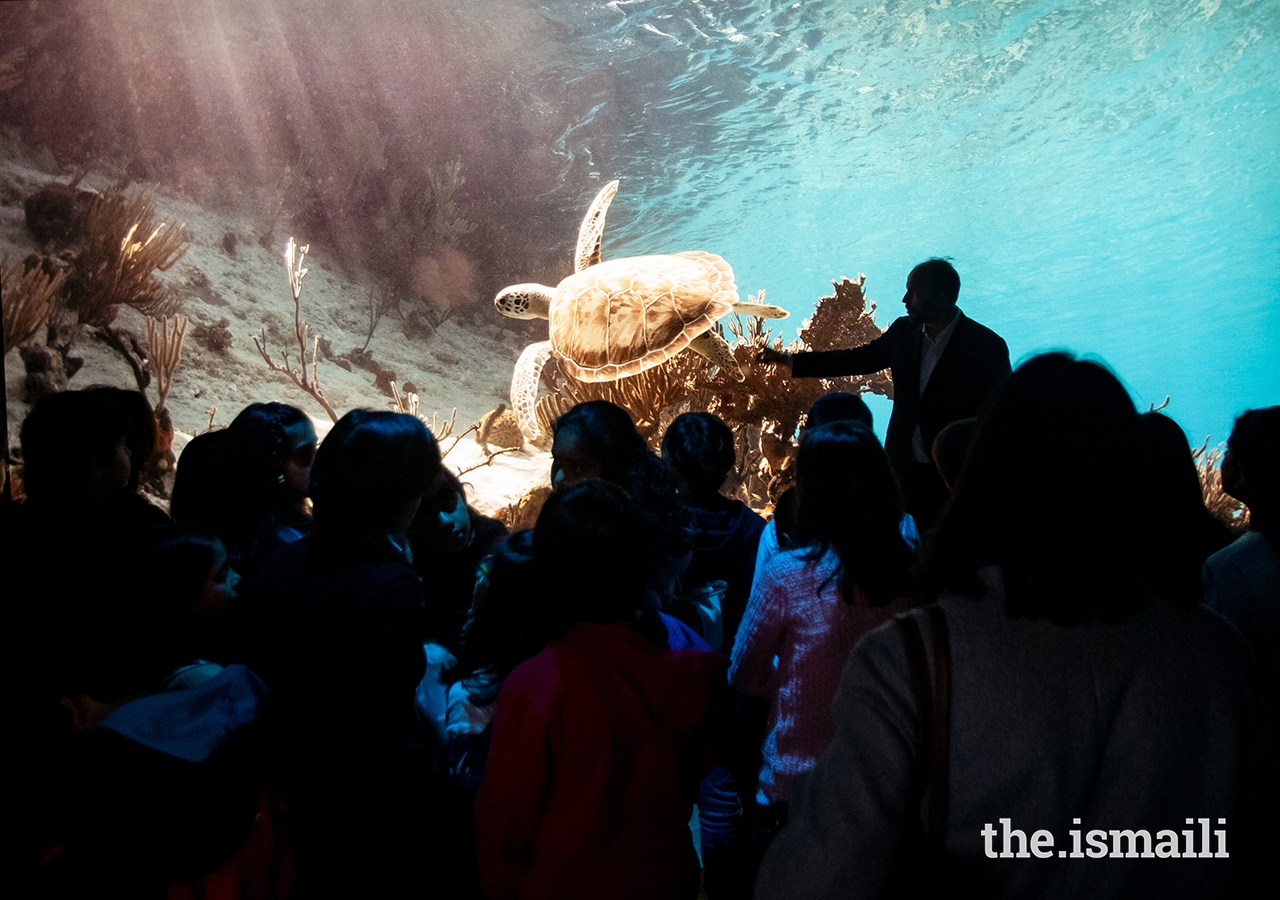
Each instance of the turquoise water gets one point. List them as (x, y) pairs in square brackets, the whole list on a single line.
[(1104, 174)]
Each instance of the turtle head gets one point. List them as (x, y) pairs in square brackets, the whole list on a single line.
[(525, 301)]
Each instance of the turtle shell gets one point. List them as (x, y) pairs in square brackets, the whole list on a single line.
[(620, 317)]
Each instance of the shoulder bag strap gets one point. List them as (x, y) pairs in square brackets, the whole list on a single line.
[(920, 689)]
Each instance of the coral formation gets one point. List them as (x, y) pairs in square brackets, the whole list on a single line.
[(164, 346), (216, 337), (310, 383), (120, 249), (524, 512), (28, 299), (764, 410), (500, 428), (54, 213), (1223, 506)]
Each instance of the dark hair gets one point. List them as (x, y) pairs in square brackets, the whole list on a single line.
[(1056, 454), (838, 406), (951, 448), (369, 467), (262, 444), (1254, 445), (507, 623), (1182, 529), (141, 434), (200, 484), (850, 503), (699, 447), (936, 278), (1253, 451), (607, 434), (63, 436), (591, 554), (426, 519), (178, 561)]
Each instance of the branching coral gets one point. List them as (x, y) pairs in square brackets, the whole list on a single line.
[(308, 382), (843, 319), (28, 299), (115, 263), (164, 345), (1225, 507)]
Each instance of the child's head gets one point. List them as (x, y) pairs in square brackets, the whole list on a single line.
[(276, 446), (596, 439), (591, 553), (371, 473), (699, 447), (75, 448), (443, 521), (837, 406), (1251, 468), (191, 567), (848, 500)]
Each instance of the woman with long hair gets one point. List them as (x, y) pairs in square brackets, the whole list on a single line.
[(810, 605)]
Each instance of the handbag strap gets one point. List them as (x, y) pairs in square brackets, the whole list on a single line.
[(933, 701)]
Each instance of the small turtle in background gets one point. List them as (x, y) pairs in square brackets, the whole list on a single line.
[(500, 428), (610, 320)]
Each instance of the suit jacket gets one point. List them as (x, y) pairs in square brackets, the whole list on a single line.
[(975, 361)]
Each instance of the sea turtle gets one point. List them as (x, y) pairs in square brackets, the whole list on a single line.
[(610, 320)]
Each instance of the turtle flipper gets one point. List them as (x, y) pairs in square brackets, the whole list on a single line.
[(524, 390), (716, 349), (763, 310), (591, 232)]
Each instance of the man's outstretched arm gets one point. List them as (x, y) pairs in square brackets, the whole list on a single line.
[(870, 357)]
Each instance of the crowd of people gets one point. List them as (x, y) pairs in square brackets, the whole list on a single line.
[(324, 673)]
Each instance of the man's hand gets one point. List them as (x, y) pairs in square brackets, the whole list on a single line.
[(776, 357)]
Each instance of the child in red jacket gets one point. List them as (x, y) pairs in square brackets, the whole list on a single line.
[(600, 740)]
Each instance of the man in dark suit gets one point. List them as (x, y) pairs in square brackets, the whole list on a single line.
[(944, 365)]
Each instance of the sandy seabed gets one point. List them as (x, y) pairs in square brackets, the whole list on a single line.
[(463, 365)]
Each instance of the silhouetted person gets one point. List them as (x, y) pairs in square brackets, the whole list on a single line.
[(699, 448), (273, 446), (1242, 581), (836, 406), (449, 539), (1186, 532), (151, 787), (340, 643), (507, 625), (200, 482), (944, 365), (810, 605), (1079, 698), (597, 439), (600, 740)]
